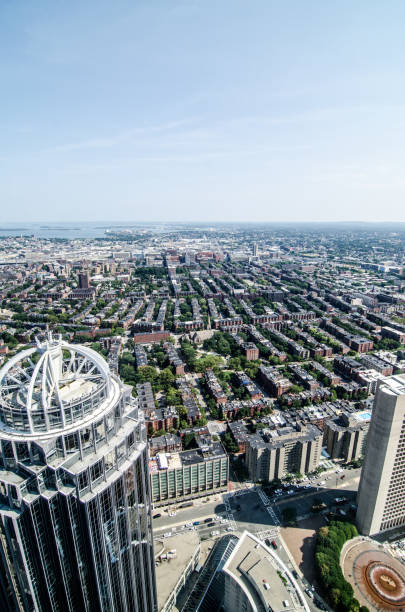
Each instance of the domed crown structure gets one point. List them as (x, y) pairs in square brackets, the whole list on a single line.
[(51, 386), (75, 511)]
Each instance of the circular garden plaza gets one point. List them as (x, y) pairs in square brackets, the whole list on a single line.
[(377, 578)]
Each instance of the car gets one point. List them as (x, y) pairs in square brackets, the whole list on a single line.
[(273, 543), (295, 574), (156, 516), (309, 593), (230, 528), (189, 524), (211, 524), (196, 523), (167, 534), (208, 520)]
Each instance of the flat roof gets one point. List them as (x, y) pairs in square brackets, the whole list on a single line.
[(394, 384), (263, 576), (168, 573)]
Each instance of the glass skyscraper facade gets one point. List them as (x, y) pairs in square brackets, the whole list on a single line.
[(75, 511)]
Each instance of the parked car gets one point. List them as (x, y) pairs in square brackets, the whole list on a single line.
[(273, 543), (157, 515)]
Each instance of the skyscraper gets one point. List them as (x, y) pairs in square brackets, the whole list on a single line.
[(381, 498), (75, 512), (83, 280)]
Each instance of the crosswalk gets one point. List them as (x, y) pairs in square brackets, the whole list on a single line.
[(267, 503), (267, 533), (229, 514)]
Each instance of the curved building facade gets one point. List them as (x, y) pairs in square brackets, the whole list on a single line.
[(381, 496), (75, 511)]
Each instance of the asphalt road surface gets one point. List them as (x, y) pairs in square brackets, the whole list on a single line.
[(253, 510), (253, 514)]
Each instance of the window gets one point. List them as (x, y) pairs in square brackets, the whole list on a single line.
[(83, 480), (96, 471), (109, 461)]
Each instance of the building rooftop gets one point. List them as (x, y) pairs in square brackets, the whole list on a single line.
[(169, 572), (263, 577), (394, 385)]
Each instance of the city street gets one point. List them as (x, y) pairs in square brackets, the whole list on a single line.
[(253, 510), (253, 514)]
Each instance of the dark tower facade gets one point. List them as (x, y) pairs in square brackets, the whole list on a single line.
[(75, 511)]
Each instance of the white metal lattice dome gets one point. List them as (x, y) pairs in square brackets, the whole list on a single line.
[(51, 386)]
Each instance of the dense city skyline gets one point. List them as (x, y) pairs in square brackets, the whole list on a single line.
[(191, 394), (202, 306)]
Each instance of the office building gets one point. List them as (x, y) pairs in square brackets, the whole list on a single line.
[(83, 280), (256, 580), (381, 497), (243, 573), (75, 512), (177, 477), (346, 435), (274, 454)]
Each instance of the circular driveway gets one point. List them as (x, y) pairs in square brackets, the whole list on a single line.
[(377, 578)]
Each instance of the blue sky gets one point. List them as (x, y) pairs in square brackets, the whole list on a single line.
[(202, 110)]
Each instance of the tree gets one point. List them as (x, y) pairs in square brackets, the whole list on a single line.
[(289, 515), (173, 397), (214, 412), (229, 444), (189, 441), (327, 558), (166, 379), (208, 361)]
